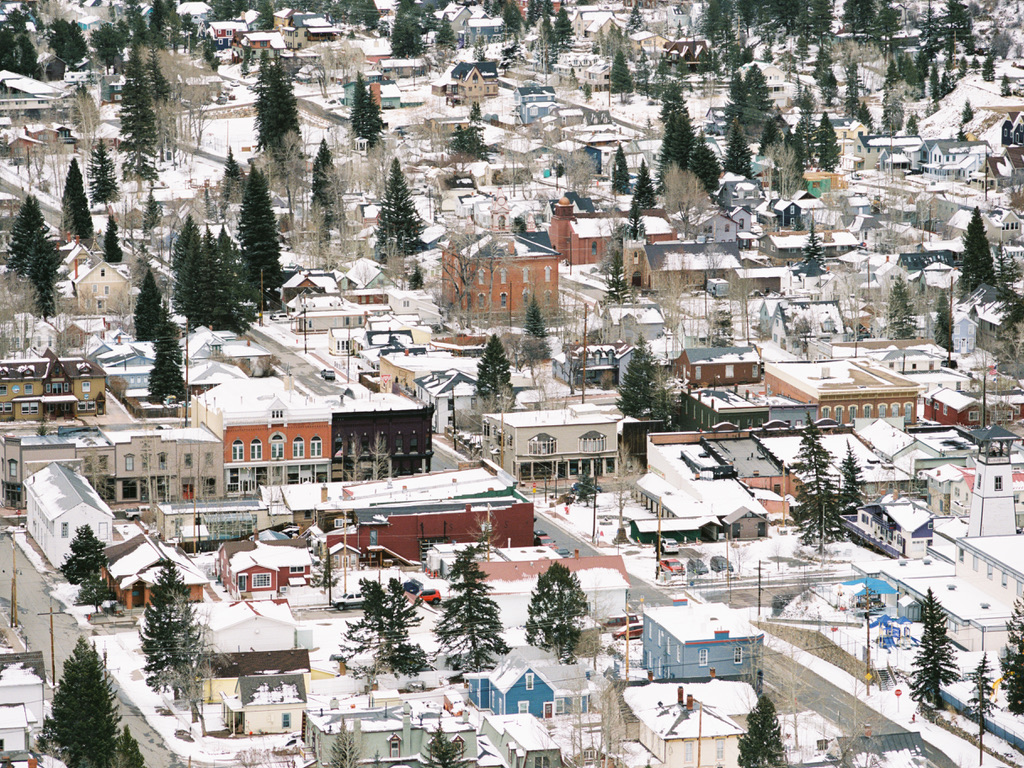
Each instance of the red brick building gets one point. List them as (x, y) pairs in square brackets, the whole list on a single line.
[(947, 406), (718, 366), (263, 568), (582, 237), (494, 276)]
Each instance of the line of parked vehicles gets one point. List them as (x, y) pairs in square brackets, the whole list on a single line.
[(696, 566), (353, 601)]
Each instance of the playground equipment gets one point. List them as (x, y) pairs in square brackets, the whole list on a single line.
[(893, 633)]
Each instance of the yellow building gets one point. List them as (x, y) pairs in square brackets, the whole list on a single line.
[(102, 288), (51, 387)]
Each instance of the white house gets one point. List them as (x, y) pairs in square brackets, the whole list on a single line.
[(60, 501), (266, 625), (22, 678), (14, 728)]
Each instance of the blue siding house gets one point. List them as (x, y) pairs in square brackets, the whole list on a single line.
[(533, 102), (531, 681), (701, 642)]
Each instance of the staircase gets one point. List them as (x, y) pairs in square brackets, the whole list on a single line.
[(884, 679)]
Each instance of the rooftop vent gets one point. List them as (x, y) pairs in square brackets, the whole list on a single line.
[(951, 587)]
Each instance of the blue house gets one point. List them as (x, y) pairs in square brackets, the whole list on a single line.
[(701, 642), (531, 681), (899, 527), (533, 102)]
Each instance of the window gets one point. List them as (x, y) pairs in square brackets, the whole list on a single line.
[(881, 410), (298, 448), (560, 708), (395, 746), (503, 275), (589, 756), (261, 581), (296, 569), (278, 414), (28, 389), (974, 562), (839, 414), (188, 459), (908, 410), (129, 463), (1006, 580), (504, 300), (719, 749), (988, 571), (480, 301), (592, 442), (867, 411), (63, 530), (286, 720), (480, 276), (702, 657), (237, 451), (529, 681), (696, 371), (524, 707), (543, 445), (12, 467), (826, 412), (999, 483), (853, 413), (316, 448), (547, 273), (526, 275), (737, 656), (161, 461), (86, 386), (688, 751), (277, 447), (730, 371), (255, 450), (593, 249)]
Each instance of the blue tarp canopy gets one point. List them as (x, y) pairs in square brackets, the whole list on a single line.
[(876, 586)]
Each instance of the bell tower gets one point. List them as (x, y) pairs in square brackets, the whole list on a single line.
[(992, 508)]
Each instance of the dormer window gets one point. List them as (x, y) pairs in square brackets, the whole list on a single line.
[(395, 746), (277, 414), (460, 744)]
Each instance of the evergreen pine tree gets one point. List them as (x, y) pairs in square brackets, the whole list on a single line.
[(586, 488), (231, 183), (232, 302), (161, 88), (900, 315), (826, 144), (935, 662), (912, 127), (852, 102), (850, 497), (635, 229), (735, 108), (445, 38), (33, 254), (563, 29), (643, 192), (770, 136), (258, 236), (149, 311), (277, 112), (93, 591), (320, 191), (190, 280), (344, 749), (469, 629), (981, 696), (151, 215), (399, 226), (636, 21), (138, 121), (988, 69), (416, 277), (620, 173), (943, 329), (636, 393), (721, 326), (813, 252), (324, 576), (383, 631), (1012, 661), (512, 18), (165, 379), (757, 102), (642, 75), (704, 165), (493, 374), (85, 556), (978, 266), (102, 179), (737, 152), (761, 746), (620, 77), (82, 727), (168, 628), (112, 253), (817, 513), (75, 215), (556, 611), (1004, 87), (126, 751), (617, 290), (406, 36), (443, 752), (534, 324)]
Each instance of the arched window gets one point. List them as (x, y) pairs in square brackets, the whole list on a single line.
[(298, 448), (839, 414), (316, 448), (237, 451), (547, 274), (526, 275), (129, 460), (853, 413), (867, 411), (255, 450), (504, 300), (480, 276), (826, 412), (277, 447), (881, 410), (593, 249), (908, 410), (501, 222), (480, 301), (543, 445), (592, 442), (504, 275), (395, 746)]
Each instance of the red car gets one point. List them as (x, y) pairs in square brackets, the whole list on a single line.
[(636, 631), (672, 565), (430, 596)]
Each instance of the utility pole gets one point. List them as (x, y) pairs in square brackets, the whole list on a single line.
[(583, 383), (867, 624), (758, 589), (14, 580), (53, 655), (305, 330)]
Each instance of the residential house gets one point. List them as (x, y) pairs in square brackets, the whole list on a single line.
[(964, 333), (800, 323), (698, 642), (450, 392), (205, 344), (898, 527), (523, 736), (22, 684), (605, 364), (787, 247), (60, 501), (1002, 225), (51, 387), (952, 160), (718, 366), (102, 288), (628, 322), (688, 52), (264, 625), (226, 669), (265, 704), (481, 26), (531, 102), (948, 406), (256, 569), (469, 81), (132, 568), (531, 681)]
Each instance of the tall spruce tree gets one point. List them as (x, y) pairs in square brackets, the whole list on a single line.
[(943, 334), (165, 380), (75, 216), (138, 121), (851, 483), (978, 265), (1012, 660), (617, 290), (85, 556), (643, 192), (149, 312), (258, 236), (320, 188), (761, 746), (493, 373), (33, 254), (556, 611), (704, 165), (367, 123), (382, 633), (190, 282), (813, 251), (399, 226), (620, 77), (635, 228), (620, 173), (900, 323), (93, 591), (469, 630), (168, 631), (345, 751), (534, 324), (981, 699), (935, 662), (232, 182), (406, 35), (737, 152), (126, 751), (277, 111), (234, 303), (636, 390), (757, 101), (826, 144), (102, 177), (82, 727), (112, 253), (443, 752), (817, 513)]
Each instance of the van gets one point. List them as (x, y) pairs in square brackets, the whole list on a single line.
[(719, 564)]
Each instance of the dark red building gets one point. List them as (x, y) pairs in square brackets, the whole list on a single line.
[(718, 366), (948, 406), (386, 428)]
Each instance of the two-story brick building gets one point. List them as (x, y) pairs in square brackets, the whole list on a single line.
[(51, 387), (383, 435), (718, 366)]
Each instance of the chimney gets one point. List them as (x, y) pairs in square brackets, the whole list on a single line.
[(406, 352), (680, 697), (867, 730), (711, 672), (650, 676), (689, 701), (77, 240), (467, 507), (577, 554)]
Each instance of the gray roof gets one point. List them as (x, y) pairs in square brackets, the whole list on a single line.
[(64, 489), (251, 689), (710, 354)]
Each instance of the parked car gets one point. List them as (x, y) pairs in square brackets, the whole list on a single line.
[(430, 596), (636, 631), (541, 539), (672, 565), (328, 374), (277, 316), (617, 622), (349, 601), (696, 565), (669, 547), (719, 564), (563, 552), (413, 587)]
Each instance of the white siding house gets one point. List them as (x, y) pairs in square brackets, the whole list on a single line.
[(60, 501)]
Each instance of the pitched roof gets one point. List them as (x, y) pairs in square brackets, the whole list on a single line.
[(487, 69), (271, 690), (253, 663), (64, 489)]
